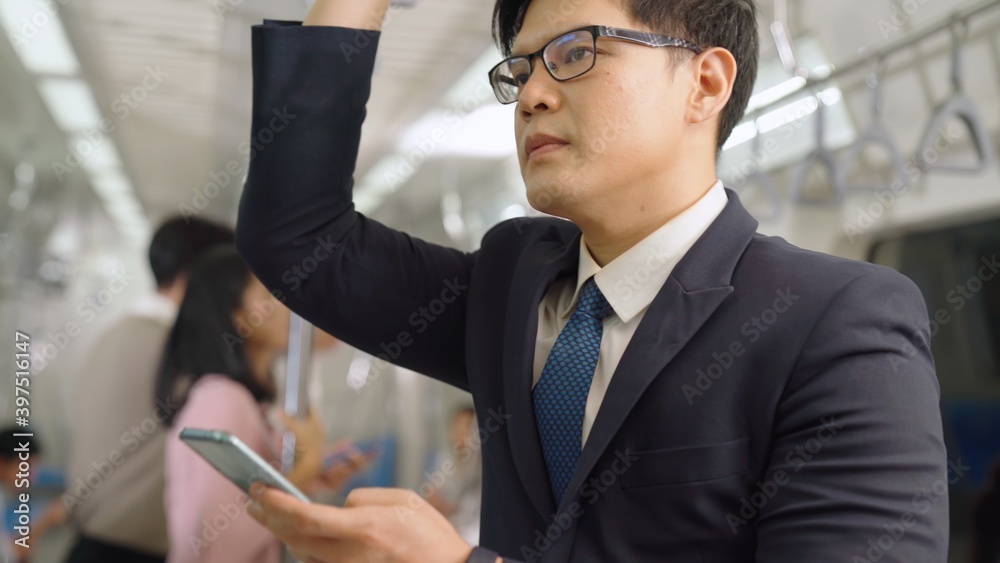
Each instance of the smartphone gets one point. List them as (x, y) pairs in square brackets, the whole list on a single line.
[(237, 461)]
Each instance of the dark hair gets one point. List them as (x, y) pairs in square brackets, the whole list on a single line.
[(204, 339), (9, 442), (178, 243), (730, 24)]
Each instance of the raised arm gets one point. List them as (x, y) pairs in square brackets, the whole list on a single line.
[(396, 297)]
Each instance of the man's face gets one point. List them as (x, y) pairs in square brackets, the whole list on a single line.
[(622, 120)]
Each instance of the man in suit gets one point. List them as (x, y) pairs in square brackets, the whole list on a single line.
[(656, 381)]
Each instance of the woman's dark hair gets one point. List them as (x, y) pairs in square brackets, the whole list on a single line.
[(204, 339)]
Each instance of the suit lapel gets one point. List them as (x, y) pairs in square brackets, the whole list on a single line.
[(694, 290), (536, 269)]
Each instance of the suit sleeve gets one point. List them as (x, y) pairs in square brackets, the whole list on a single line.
[(398, 298), (858, 461)]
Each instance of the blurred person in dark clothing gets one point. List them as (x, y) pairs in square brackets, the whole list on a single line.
[(985, 519), (19, 452)]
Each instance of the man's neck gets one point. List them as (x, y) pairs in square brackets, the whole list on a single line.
[(620, 227)]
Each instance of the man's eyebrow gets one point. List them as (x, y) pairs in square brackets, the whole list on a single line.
[(546, 39)]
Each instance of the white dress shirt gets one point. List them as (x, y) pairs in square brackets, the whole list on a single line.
[(629, 283)]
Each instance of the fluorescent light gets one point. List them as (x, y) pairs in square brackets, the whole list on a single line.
[(512, 212), (741, 134), (488, 132), (95, 156), (775, 93), (125, 209), (799, 109), (38, 36), (111, 184), (473, 88), (469, 123), (70, 102)]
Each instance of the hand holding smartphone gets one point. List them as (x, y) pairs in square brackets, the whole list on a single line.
[(237, 461)]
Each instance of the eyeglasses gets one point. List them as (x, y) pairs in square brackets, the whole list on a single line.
[(569, 56)]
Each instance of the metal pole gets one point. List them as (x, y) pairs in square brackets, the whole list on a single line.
[(296, 383)]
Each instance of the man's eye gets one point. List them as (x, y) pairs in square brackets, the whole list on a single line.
[(578, 54), (521, 79)]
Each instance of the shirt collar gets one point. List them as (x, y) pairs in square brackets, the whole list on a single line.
[(632, 280)]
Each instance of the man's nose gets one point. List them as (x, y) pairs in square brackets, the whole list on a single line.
[(539, 93)]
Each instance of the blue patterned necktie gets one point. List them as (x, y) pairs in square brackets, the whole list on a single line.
[(560, 396)]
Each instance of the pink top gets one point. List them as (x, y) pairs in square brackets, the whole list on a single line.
[(206, 513)]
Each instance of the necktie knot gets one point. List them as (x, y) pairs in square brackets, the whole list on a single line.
[(592, 301)]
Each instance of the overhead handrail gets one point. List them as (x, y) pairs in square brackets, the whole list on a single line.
[(783, 41), (823, 157), (960, 106), (760, 178), (875, 134)]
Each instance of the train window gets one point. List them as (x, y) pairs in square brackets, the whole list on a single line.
[(958, 270)]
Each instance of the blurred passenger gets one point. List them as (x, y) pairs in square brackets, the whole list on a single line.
[(217, 368), (985, 519), (115, 474), (459, 498), (13, 483)]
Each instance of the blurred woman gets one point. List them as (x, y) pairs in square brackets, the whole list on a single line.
[(217, 375)]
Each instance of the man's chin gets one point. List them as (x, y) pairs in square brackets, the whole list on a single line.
[(549, 198)]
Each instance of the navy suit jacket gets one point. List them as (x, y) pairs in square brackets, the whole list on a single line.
[(774, 404)]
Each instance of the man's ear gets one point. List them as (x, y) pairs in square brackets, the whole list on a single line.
[(713, 73)]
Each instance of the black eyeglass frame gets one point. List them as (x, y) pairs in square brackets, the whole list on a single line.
[(596, 31)]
